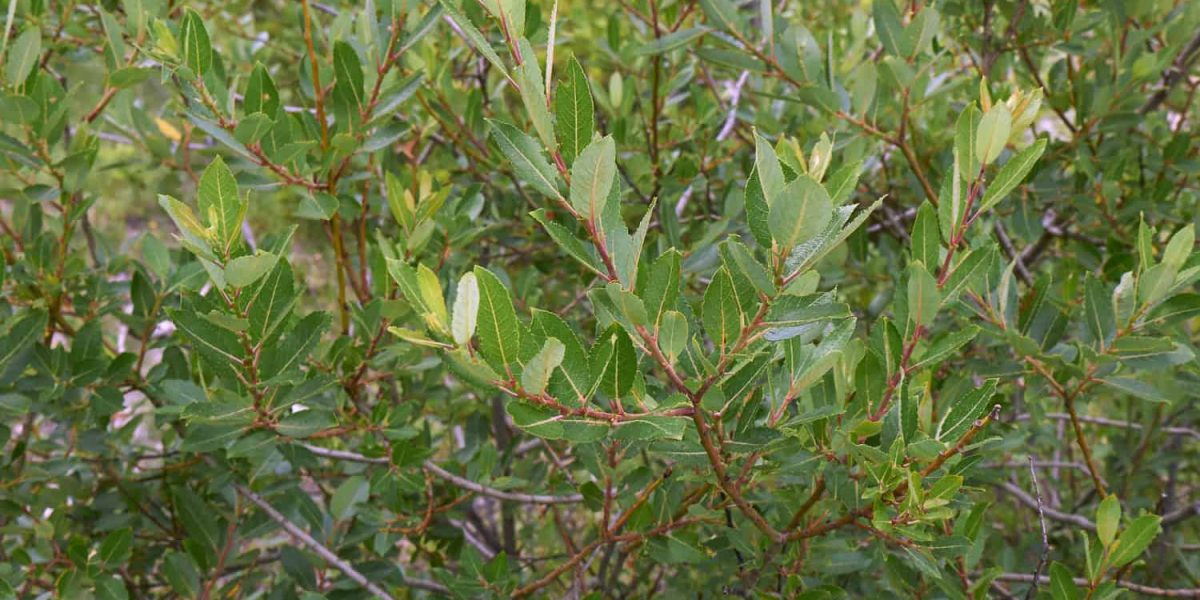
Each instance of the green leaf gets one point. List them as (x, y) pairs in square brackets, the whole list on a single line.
[(197, 517), (964, 411), (193, 38), (723, 14), (651, 428), (348, 496), (613, 362), (1135, 539), (533, 94), (770, 175), (115, 549), (499, 331), (1098, 311), (1108, 519), (573, 246), (466, 309), (23, 56), (474, 38), (723, 316), (739, 259), (923, 295), (926, 239), (347, 68), (966, 168), (290, 352), (526, 158), (218, 347), (919, 33), (946, 346), (21, 335), (538, 369), (1012, 174), (1176, 309), (220, 206), (994, 129), (574, 113), (673, 333), (592, 177), (261, 95), (1062, 584), (802, 211), (245, 270), (1133, 387), (889, 28), (430, 289)]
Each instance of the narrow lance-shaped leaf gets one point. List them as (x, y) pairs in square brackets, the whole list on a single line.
[(574, 112), (1012, 174), (722, 314), (499, 331), (526, 157), (923, 295), (194, 42)]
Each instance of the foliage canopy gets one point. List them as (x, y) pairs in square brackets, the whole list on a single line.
[(504, 298)]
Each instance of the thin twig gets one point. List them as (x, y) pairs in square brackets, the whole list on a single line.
[(1037, 572), (461, 482), (311, 543)]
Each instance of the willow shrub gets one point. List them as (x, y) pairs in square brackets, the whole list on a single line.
[(598, 299)]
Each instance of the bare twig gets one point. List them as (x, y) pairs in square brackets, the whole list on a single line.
[(1024, 498), (461, 482), (1133, 587), (1037, 572), (311, 543)]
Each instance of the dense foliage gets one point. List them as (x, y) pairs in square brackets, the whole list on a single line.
[(501, 298)]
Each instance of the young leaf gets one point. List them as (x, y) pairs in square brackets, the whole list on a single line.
[(538, 369), (994, 128), (1098, 311), (1108, 519), (770, 175), (466, 309)]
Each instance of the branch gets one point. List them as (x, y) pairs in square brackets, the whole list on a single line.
[(1133, 587), (461, 482), (1172, 75), (311, 543), (1024, 498), (1113, 423)]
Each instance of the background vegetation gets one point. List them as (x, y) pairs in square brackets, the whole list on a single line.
[(635, 298)]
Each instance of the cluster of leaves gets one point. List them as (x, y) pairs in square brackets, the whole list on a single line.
[(501, 298)]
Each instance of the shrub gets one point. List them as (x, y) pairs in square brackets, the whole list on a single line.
[(618, 299)]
